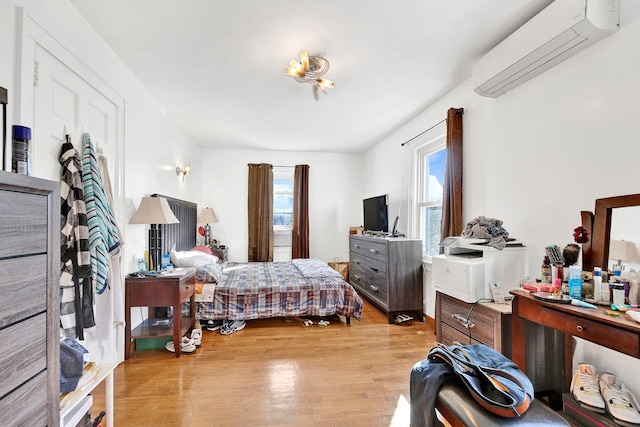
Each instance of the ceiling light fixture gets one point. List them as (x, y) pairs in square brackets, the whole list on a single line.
[(310, 70)]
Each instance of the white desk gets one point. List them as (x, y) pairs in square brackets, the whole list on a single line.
[(94, 374)]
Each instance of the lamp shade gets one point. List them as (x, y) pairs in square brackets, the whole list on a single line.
[(154, 210), (623, 250), (207, 216)]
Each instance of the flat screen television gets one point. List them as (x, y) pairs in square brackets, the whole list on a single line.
[(376, 216)]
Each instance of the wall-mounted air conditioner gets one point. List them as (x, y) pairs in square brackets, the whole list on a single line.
[(557, 32)]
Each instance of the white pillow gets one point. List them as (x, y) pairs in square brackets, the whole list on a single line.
[(191, 259)]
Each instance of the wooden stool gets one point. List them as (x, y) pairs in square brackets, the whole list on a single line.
[(459, 409)]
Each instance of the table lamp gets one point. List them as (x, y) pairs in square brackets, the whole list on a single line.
[(623, 250), (154, 211), (207, 216)]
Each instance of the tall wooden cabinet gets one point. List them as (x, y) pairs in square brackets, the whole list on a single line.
[(388, 272), (29, 301)]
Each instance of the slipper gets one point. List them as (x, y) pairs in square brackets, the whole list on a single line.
[(307, 322), (402, 318), (196, 336), (323, 323)]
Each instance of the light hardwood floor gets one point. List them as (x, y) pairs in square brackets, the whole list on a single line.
[(277, 373)]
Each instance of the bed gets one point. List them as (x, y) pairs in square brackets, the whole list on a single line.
[(259, 290)]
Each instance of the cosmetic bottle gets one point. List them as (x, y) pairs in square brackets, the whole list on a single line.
[(597, 284), (546, 270), (575, 282)]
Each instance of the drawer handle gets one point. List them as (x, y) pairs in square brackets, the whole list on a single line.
[(374, 251), (355, 276), (374, 288), (374, 269), (579, 328), (355, 261), (356, 246), (463, 321)]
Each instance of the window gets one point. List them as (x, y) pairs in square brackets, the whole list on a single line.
[(282, 200), (430, 158)]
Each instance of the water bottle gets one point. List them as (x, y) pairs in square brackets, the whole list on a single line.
[(575, 282)]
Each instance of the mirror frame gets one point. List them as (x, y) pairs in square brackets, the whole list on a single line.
[(602, 227)]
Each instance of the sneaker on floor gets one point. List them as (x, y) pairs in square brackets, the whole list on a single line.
[(585, 388), (231, 326), (213, 325), (621, 403)]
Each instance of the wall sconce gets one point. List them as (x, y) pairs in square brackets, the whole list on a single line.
[(184, 172)]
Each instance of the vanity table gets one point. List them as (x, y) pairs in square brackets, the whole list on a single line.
[(618, 333)]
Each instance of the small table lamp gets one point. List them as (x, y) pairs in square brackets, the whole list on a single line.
[(623, 250), (154, 211), (207, 216)]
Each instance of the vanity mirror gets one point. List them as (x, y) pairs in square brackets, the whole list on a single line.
[(602, 226)]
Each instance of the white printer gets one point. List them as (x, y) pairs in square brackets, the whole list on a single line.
[(467, 268)]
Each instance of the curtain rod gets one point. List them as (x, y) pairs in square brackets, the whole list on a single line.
[(423, 132)]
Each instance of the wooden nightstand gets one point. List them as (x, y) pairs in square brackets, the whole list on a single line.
[(161, 291), (221, 253)]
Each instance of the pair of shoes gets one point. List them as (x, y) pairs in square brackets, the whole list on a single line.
[(231, 326), (307, 323), (403, 318), (585, 388), (187, 346), (196, 336), (323, 323), (213, 325), (620, 402)]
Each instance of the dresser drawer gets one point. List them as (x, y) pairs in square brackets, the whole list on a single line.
[(376, 270), (23, 223), (25, 352), (27, 405), (22, 295), (187, 288), (452, 336), (455, 312), (370, 248)]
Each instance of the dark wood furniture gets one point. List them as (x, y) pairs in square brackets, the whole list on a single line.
[(388, 272), (29, 301), (161, 291), (466, 323), (221, 253), (616, 333)]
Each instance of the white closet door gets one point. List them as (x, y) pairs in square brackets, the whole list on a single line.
[(64, 99)]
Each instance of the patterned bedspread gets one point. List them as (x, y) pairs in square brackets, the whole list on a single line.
[(260, 290)]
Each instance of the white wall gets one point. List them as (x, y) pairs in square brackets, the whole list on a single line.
[(335, 197), (543, 152), (153, 143)]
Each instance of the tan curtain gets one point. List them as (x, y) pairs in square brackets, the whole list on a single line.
[(260, 206), (452, 196), (300, 232)]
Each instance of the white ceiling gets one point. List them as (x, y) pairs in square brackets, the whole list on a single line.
[(218, 66)]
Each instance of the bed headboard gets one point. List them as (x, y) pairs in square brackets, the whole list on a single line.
[(181, 236)]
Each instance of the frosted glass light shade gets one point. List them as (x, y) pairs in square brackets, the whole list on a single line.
[(154, 210)]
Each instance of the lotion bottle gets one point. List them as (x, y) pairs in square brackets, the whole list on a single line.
[(597, 284), (575, 282)]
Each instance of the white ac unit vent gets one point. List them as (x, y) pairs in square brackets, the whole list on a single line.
[(557, 32)]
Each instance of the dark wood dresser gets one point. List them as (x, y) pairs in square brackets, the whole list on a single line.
[(29, 301), (461, 322)]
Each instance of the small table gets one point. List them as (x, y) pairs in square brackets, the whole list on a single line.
[(221, 253), (616, 333), (165, 290)]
